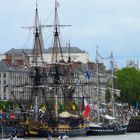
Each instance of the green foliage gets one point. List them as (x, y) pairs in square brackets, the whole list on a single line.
[(128, 82)]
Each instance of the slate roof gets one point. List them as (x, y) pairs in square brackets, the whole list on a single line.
[(65, 50), (19, 51), (49, 50), (3, 67)]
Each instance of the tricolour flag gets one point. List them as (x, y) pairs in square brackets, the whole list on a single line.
[(86, 108)]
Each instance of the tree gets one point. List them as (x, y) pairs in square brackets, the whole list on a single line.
[(128, 82)]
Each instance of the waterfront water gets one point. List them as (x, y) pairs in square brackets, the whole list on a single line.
[(128, 136)]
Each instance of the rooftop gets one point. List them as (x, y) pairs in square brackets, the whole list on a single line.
[(49, 50)]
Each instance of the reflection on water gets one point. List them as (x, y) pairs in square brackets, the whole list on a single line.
[(128, 136)]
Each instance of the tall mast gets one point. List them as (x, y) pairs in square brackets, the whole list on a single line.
[(112, 78), (37, 61), (57, 55), (56, 43), (69, 58), (37, 49), (97, 84)]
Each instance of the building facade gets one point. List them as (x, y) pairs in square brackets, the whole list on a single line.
[(132, 64), (12, 81), (15, 74)]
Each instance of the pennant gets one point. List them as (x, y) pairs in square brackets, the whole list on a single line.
[(73, 107), (86, 108), (42, 109), (87, 74), (57, 3)]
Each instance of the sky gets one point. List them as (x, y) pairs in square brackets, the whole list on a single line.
[(112, 25)]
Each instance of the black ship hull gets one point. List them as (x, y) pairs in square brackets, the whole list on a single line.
[(36, 133), (70, 133), (55, 133), (106, 131)]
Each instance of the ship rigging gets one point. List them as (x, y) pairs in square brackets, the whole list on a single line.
[(52, 85)]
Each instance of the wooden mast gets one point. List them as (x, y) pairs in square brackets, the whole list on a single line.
[(37, 50)]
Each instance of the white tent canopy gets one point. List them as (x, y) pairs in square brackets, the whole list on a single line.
[(108, 117), (67, 114)]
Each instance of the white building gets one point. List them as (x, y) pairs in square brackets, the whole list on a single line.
[(2, 56), (76, 54), (132, 64)]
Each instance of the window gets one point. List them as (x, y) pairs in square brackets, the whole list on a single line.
[(4, 89), (4, 82), (4, 75)]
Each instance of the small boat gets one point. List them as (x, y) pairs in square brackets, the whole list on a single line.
[(63, 136), (105, 130), (50, 138), (13, 138)]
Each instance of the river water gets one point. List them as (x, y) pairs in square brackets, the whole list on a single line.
[(127, 136)]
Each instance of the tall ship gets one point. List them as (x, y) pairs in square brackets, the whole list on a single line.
[(106, 123), (55, 107), (51, 107)]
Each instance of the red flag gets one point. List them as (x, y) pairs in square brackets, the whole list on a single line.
[(86, 109)]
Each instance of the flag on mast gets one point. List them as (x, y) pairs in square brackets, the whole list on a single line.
[(87, 75), (88, 71), (86, 108), (57, 3)]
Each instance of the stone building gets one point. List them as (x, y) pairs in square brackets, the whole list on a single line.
[(3, 81), (12, 81), (15, 73), (132, 64)]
